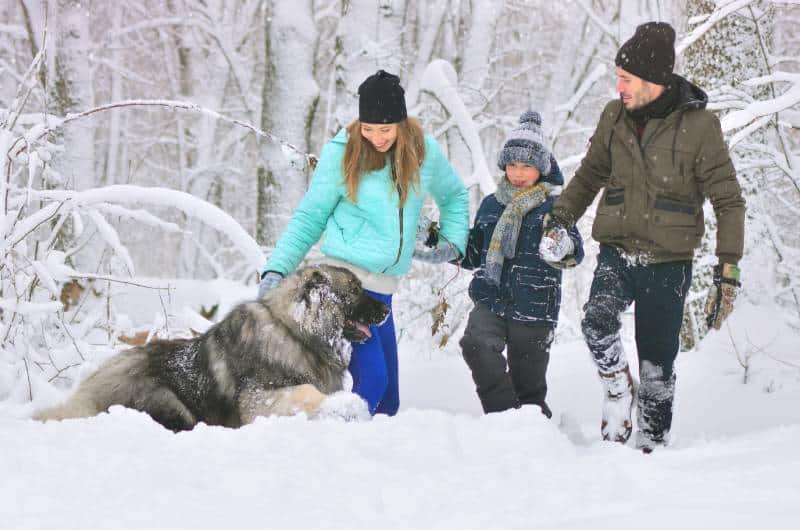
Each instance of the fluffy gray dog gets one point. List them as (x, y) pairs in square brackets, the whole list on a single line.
[(275, 356)]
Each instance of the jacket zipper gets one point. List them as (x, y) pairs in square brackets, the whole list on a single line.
[(400, 245)]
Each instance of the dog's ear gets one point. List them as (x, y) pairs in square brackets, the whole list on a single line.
[(316, 278), (313, 279)]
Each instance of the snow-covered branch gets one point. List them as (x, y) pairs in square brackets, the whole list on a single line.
[(568, 108), (723, 9), (440, 80), (599, 22), (757, 109), (37, 133), (188, 204)]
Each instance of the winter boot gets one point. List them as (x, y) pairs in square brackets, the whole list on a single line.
[(647, 443), (654, 411), (546, 410), (618, 390)]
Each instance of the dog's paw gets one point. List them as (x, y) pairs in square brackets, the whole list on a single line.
[(344, 406)]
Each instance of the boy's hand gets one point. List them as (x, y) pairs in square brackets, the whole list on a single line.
[(555, 244)]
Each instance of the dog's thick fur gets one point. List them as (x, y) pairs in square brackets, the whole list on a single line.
[(274, 356)]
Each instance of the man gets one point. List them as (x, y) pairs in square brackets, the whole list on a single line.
[(657, 154)]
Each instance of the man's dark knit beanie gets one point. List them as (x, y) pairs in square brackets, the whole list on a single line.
[(650, 53)]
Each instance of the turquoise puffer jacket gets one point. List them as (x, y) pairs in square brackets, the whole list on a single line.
[(373, 233)]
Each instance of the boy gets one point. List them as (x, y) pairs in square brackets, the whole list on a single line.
[(516, 294)]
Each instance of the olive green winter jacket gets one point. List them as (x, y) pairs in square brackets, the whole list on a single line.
[(654, 189)]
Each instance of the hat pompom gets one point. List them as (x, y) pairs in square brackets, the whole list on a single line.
[(530, 116)]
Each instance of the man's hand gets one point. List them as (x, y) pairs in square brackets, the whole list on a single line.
[(555, 244), (719, 303)]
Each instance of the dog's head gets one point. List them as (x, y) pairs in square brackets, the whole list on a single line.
[(335, 299)]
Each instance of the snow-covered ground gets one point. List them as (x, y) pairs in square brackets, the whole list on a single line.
[(734, 461)]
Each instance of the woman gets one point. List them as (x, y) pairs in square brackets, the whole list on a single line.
[(365, 197)]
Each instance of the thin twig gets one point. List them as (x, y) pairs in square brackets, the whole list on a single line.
[(28, 374), (60, 370), (65, 327)]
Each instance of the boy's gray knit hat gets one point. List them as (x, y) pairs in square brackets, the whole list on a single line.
[(526, 144)]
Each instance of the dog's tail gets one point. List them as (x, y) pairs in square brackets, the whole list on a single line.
[(77, 406), (109, 385), (93, 396)]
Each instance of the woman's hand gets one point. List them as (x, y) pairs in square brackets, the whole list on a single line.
[(443, 252), (269, 281)]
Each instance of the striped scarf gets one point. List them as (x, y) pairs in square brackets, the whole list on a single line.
[(518, 203)]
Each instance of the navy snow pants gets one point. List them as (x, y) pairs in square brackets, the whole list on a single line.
[(518, 379), (373, 365)]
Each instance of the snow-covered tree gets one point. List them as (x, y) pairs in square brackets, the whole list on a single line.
[(730, 53), (227, 101)]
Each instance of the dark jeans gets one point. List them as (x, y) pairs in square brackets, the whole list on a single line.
[(528, 352), (658, 291)]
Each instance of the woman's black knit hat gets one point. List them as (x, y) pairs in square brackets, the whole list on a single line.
[(650, 53), (381, 99)]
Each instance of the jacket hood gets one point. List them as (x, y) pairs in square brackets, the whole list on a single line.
[(555, 177), (690, 96), (341, 137)]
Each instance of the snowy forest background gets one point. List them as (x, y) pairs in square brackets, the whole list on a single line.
[(152, 151)]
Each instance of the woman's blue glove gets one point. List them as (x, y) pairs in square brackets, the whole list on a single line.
[(268, 282)]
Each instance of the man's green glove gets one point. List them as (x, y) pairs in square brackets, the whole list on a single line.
[(719, 303)]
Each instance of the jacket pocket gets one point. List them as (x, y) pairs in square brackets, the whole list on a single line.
[(351, 231), (677, 223), (673, 211), (536, 296), (615, 196), (608, 221)]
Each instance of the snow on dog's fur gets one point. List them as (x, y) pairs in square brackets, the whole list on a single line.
[(278, 355)]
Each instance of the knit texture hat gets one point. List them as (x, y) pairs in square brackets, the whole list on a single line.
[(526, 144), (650, 53), (381, 99)]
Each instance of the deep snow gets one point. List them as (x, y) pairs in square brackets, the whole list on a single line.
[(439, 463)]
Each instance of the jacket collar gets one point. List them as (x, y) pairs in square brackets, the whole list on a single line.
[(680, 95)]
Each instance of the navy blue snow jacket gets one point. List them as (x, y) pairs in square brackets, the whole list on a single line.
[(530, 289)]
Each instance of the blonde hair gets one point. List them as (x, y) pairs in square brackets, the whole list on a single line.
[(361, 157)]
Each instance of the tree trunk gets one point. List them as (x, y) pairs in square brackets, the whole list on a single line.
[(288, 101)]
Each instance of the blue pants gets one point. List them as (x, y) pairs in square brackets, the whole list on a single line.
[(373, 365)]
